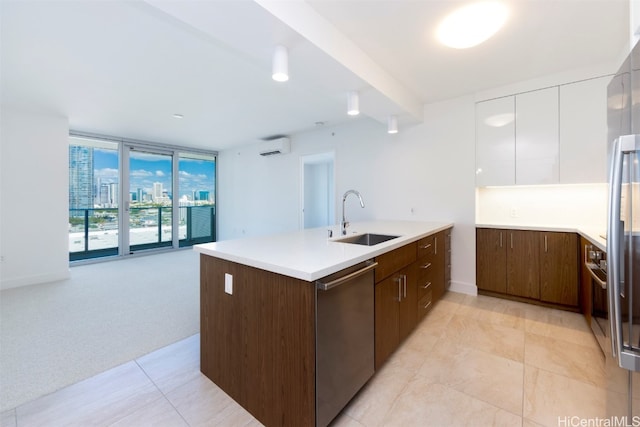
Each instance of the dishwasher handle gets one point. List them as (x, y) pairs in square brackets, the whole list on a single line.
[(339, 281)]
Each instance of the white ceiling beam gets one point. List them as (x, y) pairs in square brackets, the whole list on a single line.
[(304, 19)]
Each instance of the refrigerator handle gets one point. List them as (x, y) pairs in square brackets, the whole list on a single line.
[(613, 247)]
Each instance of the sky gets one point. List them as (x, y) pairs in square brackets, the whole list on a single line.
[(146, 169)]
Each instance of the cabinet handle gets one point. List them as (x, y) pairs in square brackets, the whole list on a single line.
[(511, 240), (427, 306), (427, 265), (545, 243), (501, 239), (435, 250), (404, 280), (399, 289), (427, 285), (427, 246)]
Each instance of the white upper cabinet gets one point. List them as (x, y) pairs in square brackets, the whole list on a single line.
[(583, 131), (547, 136), (537, 137), (495, 142)]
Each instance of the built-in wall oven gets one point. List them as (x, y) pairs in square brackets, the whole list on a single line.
[(596, 264)]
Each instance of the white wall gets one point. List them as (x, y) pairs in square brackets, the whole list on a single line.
[(425, 172), (34, 216)]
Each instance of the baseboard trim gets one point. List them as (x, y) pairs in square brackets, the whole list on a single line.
[(34, 280), (463, 288)]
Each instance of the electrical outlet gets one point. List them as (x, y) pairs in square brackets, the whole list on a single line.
[(228, 283), (1, 258), (514, 213)]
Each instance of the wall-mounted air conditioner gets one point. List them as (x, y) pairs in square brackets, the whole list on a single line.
[(275, 146)]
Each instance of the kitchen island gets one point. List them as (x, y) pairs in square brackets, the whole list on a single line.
[(259, 307)]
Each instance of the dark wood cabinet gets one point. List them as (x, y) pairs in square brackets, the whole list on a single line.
[(532, 266), (387, 319), (559, 268), (260, 342), (447, 258), (409, 280), (395, 300), (395, 312), (491, 260), (523, 266), (431, 270), (406, 280)]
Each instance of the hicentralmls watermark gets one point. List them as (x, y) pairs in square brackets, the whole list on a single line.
[(575, 421)]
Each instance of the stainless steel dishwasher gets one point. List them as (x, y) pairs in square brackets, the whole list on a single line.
[(344, 338)]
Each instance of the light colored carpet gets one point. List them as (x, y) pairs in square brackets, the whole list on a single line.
[(56, 334)]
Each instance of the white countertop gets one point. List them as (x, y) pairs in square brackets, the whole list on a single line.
[(594, 236), (310, 255)]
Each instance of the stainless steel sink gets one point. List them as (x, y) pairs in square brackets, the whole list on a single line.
[(367, 239)]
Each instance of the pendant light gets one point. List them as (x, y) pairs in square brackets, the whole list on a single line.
[(280, 70), (392, 124), (353, 103)]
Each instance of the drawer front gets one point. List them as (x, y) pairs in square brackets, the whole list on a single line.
[(426, 246), (424, 304), (395, 260), (426, 268), (425, 286)]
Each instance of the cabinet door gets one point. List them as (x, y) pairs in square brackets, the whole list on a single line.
[(583, 131), (387, 310), (491, 259), (523, 264), (537, 137), (495, 142), (559, 268), (409, 302)]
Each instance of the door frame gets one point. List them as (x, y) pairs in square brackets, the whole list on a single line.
[(318, 158), (124, 242)]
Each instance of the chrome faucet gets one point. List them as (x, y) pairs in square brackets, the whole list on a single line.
[(344, 224)]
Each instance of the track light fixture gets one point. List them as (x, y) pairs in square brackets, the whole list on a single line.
[(280, 70), (353, 103)]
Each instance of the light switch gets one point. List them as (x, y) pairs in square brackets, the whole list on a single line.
[(228, 283)]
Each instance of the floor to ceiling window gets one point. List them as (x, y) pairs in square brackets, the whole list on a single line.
[(93, 198), (127, 196)]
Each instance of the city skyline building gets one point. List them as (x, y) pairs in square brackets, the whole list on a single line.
[(81, 165)]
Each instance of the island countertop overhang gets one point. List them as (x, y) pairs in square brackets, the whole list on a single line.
[(310, 254)]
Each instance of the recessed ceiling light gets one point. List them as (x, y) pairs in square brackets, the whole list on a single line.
[(471, 25), (178, 116)]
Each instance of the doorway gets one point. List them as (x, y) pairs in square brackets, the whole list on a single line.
[(318, 190)]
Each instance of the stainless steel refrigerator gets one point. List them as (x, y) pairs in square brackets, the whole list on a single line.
[(623, 243)]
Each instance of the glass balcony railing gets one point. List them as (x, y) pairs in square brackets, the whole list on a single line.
[(95, 232)]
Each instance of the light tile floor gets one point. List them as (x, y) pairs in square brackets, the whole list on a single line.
[(476, 361)]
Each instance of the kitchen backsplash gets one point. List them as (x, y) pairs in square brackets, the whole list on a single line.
[(583, 206)]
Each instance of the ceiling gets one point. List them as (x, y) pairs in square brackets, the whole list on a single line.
[(124, 68)]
